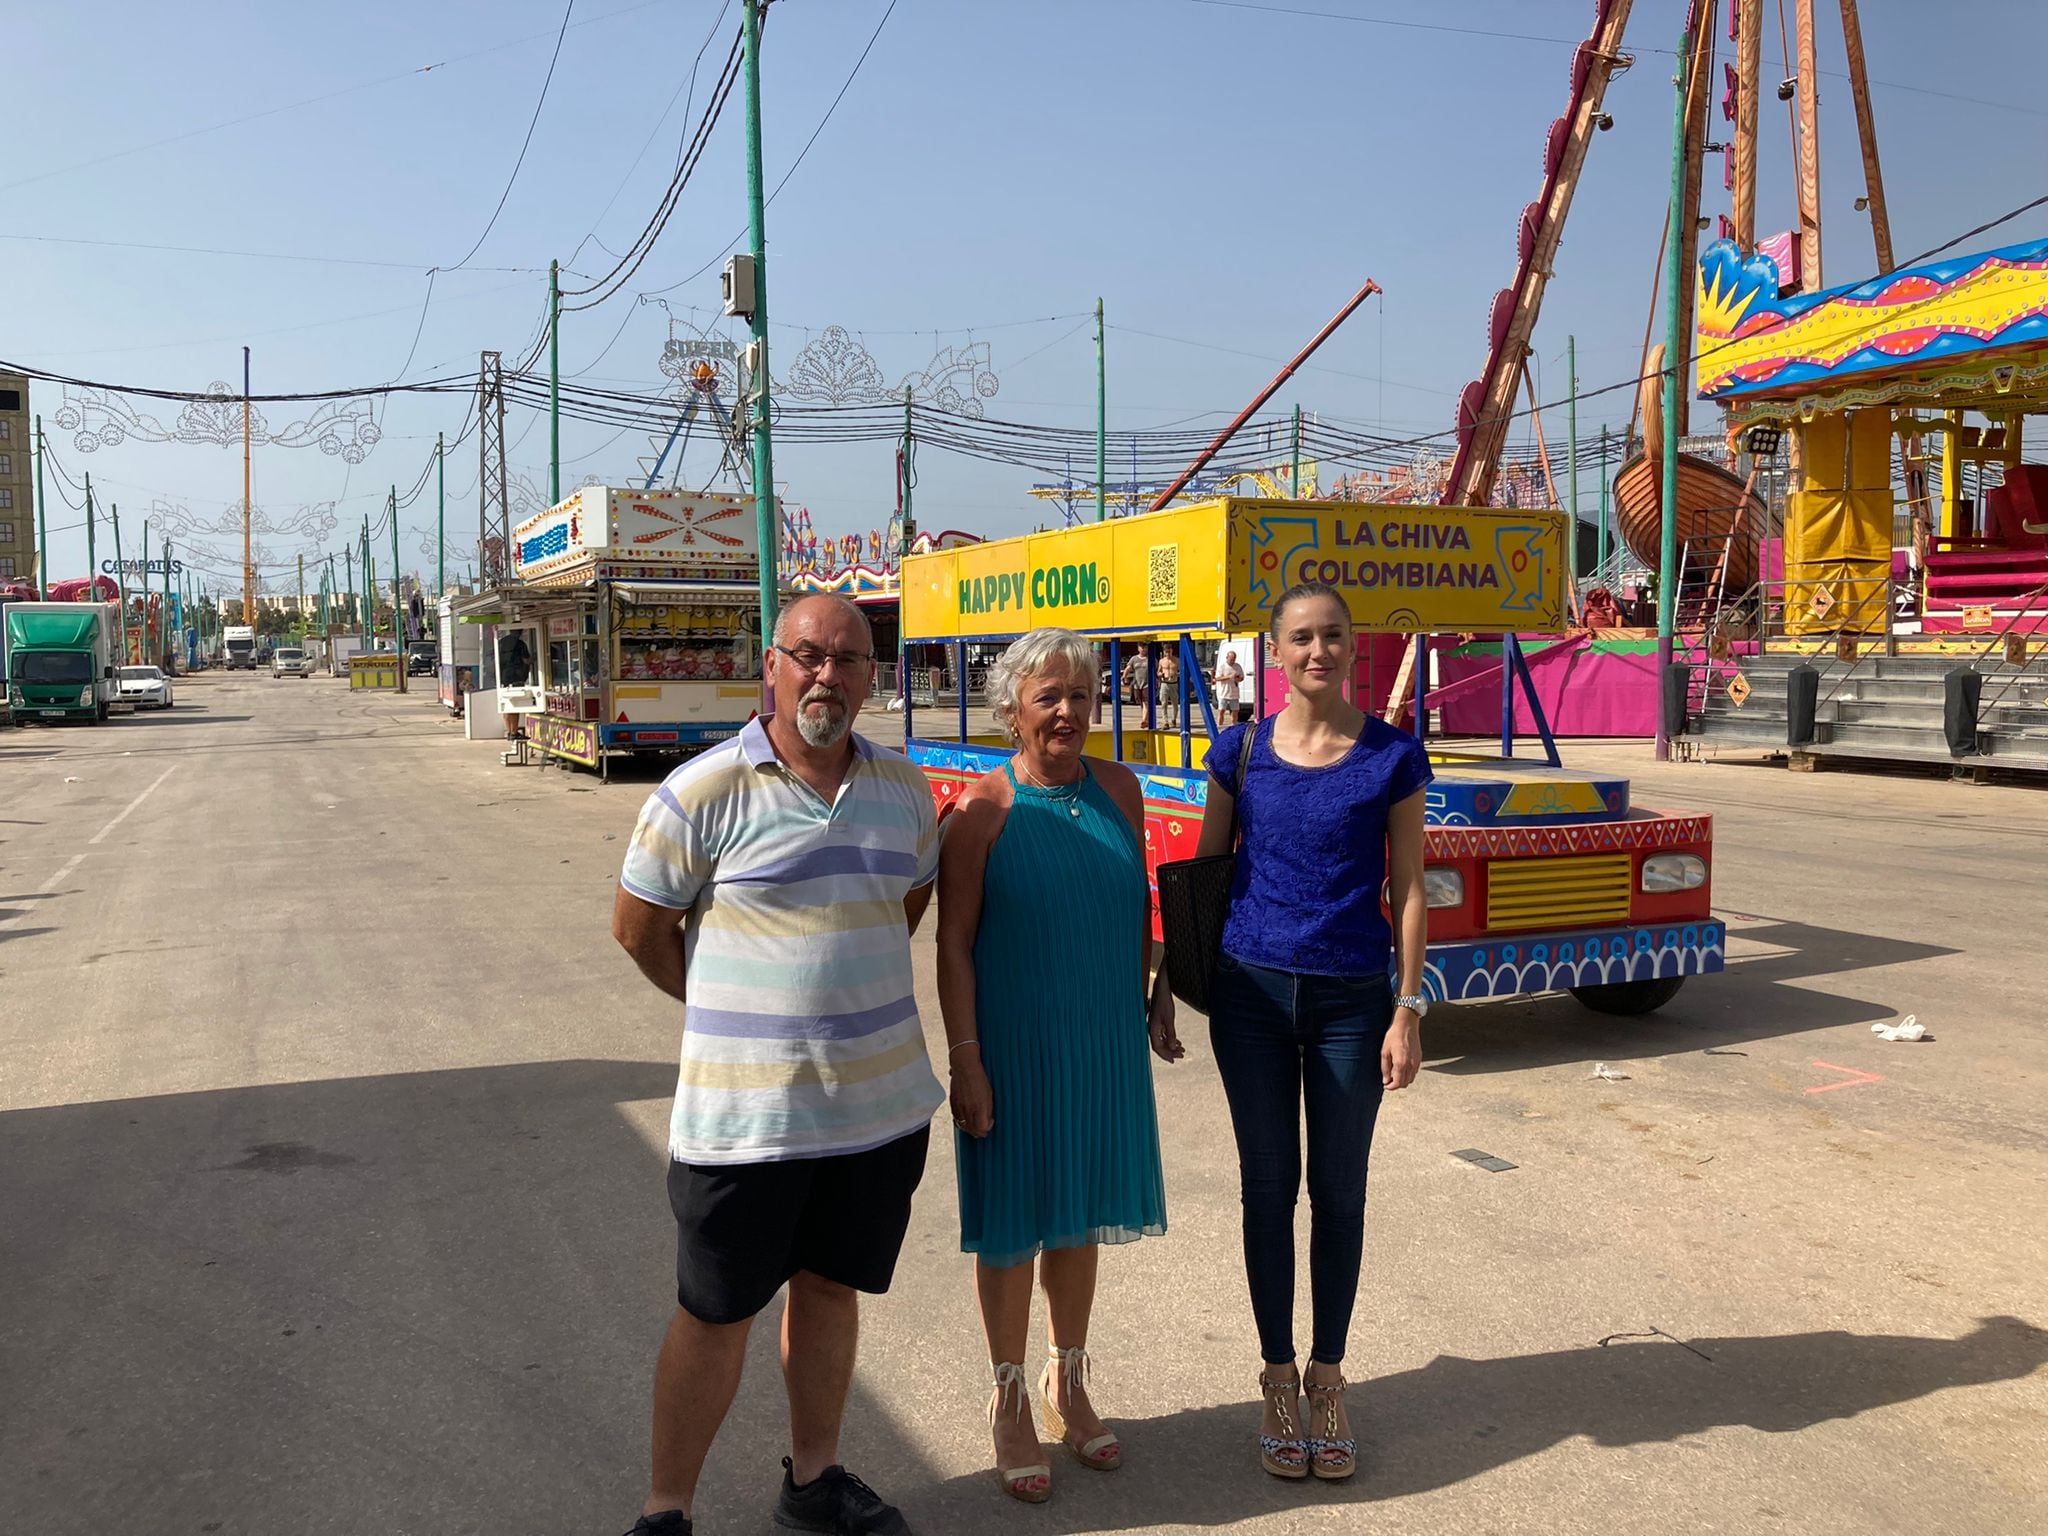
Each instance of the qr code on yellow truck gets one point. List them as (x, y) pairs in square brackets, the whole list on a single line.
[(1162, 576)]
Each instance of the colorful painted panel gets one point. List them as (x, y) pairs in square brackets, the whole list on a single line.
[(1958, 309), (575, 740), (1469, 797), (1640, 831), (1552, 962)]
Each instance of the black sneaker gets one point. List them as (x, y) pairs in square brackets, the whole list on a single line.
[(838, 1504), (670, 1522)]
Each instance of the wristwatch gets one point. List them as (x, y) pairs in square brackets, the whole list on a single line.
[(1419, 1004)]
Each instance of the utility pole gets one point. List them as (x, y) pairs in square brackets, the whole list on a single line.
[(348, 555), (144, 584), (42, 518), (555, 367), (1101, 423), (302, 593), (170, 649), (1294, 441), (441, 515), (1601, 566), (120, 587), (1571, 427), (92, 565), (1674, 306), (757, 242), (398, 634), (248, 562)]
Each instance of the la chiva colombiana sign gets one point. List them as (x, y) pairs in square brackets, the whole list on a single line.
[(1219, 566)]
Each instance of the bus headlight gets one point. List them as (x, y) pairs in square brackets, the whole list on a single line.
[(1443, 887), (1667, 872)]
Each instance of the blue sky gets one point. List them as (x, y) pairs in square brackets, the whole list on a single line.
[(1222, 174)]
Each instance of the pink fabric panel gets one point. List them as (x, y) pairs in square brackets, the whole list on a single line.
[(1584, 692)]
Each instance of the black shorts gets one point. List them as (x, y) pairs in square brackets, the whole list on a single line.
[(742, 1229)]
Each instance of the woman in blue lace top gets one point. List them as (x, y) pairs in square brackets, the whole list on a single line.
[(1317, 1000)]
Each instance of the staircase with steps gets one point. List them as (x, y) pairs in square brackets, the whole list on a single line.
[(1886, 707)]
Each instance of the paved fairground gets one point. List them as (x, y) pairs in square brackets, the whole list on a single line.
[(332, 1126)]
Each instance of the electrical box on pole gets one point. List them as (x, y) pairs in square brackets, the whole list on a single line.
[(738, 283)]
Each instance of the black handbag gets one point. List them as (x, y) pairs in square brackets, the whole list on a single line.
[(1194, 901)]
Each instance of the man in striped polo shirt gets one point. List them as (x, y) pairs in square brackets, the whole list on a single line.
[(772, 887)]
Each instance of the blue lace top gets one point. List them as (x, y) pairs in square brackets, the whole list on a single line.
[(1313, 855)]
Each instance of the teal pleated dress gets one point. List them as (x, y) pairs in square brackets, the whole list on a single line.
[(1060, 1013)]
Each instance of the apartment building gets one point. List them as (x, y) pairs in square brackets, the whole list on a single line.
[(17, 498)]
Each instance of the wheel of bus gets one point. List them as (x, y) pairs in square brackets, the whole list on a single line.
[(1628, 999)]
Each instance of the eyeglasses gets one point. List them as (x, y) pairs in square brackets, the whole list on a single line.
[(811, 659)]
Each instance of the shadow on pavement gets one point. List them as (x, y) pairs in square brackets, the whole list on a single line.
[(1756, 998), (425, 1302), (1455, 1419)]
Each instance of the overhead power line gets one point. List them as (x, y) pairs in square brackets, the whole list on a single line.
[(524, 143)]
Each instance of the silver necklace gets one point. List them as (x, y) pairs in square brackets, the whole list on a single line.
[(1071, 793)]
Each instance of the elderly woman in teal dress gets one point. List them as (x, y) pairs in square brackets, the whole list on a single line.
[(1044, 943)]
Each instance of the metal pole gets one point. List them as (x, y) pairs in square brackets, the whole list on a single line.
[(757, 242), (144, 657), (348, 556), (92, 567), (248, 561), (164, 627), (1866, 134), (42, 518), (1101, 422), (555, 384), (1264, 395), (441, 515), (1294, 475), (1571, 427), (1667, 563), (906, 534), (302, 595), (1749, 44), (1808, 163)]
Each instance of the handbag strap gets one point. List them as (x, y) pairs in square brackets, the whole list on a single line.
[(1244, 768)]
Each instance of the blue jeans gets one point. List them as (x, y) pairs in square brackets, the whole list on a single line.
[(1282, 1039)]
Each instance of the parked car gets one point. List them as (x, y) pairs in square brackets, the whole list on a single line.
[(290, 661), (422, 659), (144, 687)]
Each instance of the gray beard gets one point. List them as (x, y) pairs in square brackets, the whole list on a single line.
[(823, 731)]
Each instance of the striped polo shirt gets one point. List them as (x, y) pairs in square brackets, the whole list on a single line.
[(800, 1030)]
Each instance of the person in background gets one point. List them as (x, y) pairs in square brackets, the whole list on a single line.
[(772, 887), (1229, 679), (1169, 688), (1043, 876), (515, 670), (1302, 1010)]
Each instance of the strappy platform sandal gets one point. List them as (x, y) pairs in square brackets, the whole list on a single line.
[(1285, 1454), (1104, 1453), (1330, 1458), (1032, 1484)]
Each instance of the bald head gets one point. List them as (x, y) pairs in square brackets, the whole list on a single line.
[(818, 608)]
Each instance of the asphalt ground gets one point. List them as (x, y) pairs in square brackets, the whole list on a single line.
[(332, 1130)]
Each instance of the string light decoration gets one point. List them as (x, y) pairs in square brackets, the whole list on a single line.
[(101, 418)]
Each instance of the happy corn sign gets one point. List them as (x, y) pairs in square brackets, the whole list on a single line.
[(1218, 566)]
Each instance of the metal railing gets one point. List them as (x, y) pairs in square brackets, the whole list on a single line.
[(1781, 612)]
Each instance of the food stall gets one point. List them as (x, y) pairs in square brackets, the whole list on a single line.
[(643, 609)]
